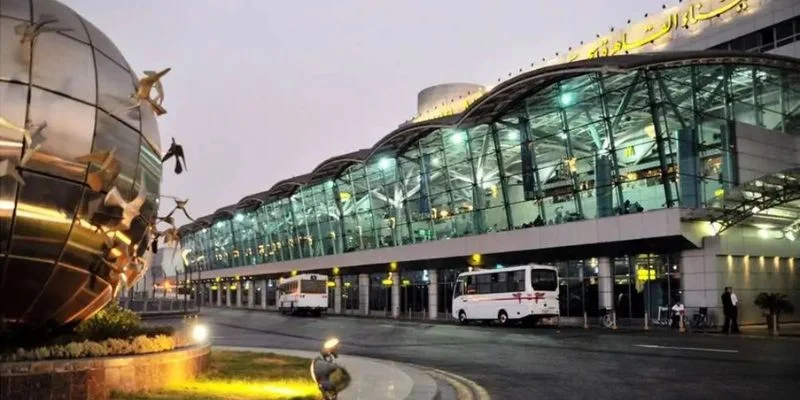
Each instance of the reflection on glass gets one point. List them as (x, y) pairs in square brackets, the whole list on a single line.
[(84, 246), (68, 134), (12, 67), (45, 211), (13, 100), (20, 9), (112, 134), (64, 65), (116, 87), (149, 126), (66, 18), (150, 169), (62, 284)]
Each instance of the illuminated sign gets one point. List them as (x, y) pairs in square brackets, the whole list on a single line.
[(456, 106), (654, 32)]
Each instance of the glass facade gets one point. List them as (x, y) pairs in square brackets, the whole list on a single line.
[(590, 145)]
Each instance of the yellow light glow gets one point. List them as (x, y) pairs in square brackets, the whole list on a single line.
[(248, 389), (719, 192), (330, 344), (331, 284), (336, 270), (387, 282), (476, 258), (393, 266), (199, 333)]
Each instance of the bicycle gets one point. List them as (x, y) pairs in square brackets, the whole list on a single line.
[(702, 320), (607, 318)]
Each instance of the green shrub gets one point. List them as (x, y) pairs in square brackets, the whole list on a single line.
[(112, 321), (153, 331), (111, 347)]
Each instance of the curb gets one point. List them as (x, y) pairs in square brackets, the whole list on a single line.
[(424, 386)]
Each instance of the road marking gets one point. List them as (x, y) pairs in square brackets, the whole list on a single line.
[(655, 346)]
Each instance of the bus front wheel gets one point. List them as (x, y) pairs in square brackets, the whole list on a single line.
[(502, 317), (462, 317)]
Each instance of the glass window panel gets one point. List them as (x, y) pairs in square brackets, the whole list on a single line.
[(68, 134), (112, 134), (16, 8), (66, 17), (13, 66), (116, 87), (150, 130), (101, 42), (44, 214), (65, 66), (150, 171), (13, 102), (85, 247)]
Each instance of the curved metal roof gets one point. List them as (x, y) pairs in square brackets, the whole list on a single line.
[(224, 212), (501, 97), (334, 166)]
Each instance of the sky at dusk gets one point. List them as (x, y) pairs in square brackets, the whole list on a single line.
[(262, 90)]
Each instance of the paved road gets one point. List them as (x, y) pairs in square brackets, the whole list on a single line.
[(520, 363)]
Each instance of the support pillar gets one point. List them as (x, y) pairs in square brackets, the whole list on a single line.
[(251, 294), (239, 290), (605, 284), (277, 299), (396, 295), (337, 295), (219, 294), (433, 294), (363, 293), (228, 300), (263, 285)]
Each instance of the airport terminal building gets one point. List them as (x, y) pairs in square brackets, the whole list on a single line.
[(656, 164)]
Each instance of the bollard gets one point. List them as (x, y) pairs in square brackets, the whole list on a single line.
[(681, 324), (646, 325), (585, 321), (614, 320)]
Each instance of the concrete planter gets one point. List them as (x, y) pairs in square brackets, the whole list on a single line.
[(95, 378)]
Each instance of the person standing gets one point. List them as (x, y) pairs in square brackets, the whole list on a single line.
[(730, 309)]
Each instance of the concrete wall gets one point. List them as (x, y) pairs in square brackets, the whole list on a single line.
[(95, 378), (761, 151), (750, 264)]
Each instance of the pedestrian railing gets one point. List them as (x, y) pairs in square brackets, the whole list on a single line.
[(158, 306)]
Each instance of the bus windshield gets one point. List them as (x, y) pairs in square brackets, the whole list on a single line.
[(544, 279), (313, 286)]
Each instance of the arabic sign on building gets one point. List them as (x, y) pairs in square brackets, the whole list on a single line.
[(656, 31)]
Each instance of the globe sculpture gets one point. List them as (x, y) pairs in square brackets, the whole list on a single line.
[(80, 166)]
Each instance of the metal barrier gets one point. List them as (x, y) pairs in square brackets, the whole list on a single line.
[(158, 306)]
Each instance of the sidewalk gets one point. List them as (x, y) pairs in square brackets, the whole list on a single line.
[(787, 330), (370, 379)]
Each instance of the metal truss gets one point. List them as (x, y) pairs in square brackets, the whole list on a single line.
[(760, 194)]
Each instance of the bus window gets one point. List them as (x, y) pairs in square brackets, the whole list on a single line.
[(544, 279), (517, 283), (484, 283), (458, 290), (313, 286), (470, 283), (500, 282)]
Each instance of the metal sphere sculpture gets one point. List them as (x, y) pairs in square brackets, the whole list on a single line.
[(80, 166)]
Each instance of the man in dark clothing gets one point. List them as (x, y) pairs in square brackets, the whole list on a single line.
[(731, 310)]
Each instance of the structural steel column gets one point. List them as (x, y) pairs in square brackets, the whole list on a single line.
[(337, 294), (263, 285), (396, 295), (363, 293), (219, 294), (228, 300), (606, 283), (433, 294)]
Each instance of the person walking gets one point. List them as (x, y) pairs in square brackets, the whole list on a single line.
[(730, 309)]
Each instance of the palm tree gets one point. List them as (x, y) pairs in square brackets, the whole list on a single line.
[(773, 304)]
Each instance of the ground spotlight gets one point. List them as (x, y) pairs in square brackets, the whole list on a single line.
[(199, 333), (324, 371)]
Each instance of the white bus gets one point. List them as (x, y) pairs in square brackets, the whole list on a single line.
[(304, 293), (504, 294)]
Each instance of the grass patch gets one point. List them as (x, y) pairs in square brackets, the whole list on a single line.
[(241, 375)]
